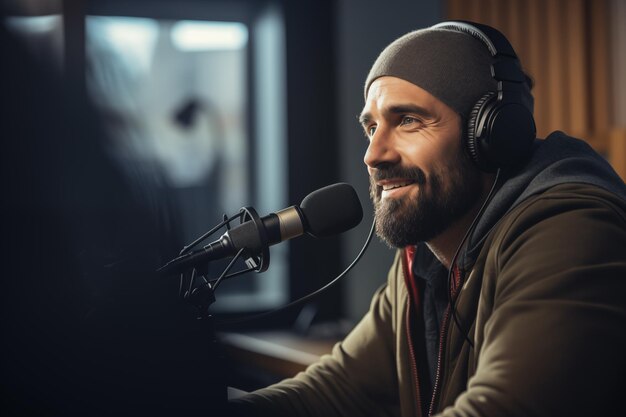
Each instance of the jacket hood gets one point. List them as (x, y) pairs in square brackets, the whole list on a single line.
[(558, 159)]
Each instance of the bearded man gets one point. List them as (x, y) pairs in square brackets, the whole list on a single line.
[(506, 294)]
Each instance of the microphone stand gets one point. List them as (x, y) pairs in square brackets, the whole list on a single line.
[(256, 259), (203, 296)]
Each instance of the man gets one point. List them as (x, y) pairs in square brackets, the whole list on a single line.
[(506, 294)]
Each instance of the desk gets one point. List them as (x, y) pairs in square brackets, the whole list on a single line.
[(280, 353)]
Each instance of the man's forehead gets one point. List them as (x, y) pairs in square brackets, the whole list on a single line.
[(390, 92), (386, 85)]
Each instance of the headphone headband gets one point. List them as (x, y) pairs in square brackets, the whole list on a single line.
[(494, 39), (504, 69), (501, 127)]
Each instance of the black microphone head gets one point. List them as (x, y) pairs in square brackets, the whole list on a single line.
[(331, 210)]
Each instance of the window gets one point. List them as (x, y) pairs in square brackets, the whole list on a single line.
[(193, 95), (197, 104)]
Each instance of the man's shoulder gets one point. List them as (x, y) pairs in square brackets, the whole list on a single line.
[(565, 209), (569, 196)]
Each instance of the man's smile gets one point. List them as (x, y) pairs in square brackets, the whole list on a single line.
[(395, 186)]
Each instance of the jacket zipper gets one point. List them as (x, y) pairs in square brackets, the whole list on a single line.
[(416, 380), (442, 339), (418, 398)]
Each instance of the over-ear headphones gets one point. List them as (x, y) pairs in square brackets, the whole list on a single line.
[(501, 128)]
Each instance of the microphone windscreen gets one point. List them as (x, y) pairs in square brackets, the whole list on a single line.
[(331, 210)]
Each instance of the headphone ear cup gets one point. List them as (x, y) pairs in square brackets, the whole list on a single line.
[(473, 136)]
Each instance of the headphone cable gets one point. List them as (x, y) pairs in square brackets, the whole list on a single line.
[(478, 216)]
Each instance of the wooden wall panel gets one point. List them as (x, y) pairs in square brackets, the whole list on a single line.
[(578, 104), (617, 151), (615, 110), (617, 14), (600, 76), (535, 62), (564, 46), (558, 74)]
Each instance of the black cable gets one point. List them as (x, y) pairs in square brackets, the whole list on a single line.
[(451, 302), (308, 296)]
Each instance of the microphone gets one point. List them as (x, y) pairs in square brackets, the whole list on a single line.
[(325, 212)]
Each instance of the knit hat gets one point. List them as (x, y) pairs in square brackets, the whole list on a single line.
[(452, 66)]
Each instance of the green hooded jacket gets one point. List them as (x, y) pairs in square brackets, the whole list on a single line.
[(541, 299)]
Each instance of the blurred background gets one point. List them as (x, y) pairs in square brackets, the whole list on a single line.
[(211, 105)]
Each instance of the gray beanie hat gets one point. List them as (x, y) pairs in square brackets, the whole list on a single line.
[(452, 66)]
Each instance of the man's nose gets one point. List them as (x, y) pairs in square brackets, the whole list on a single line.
[(381, 149)]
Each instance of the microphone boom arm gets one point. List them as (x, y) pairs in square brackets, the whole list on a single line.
[(317, 215), (256, 259)]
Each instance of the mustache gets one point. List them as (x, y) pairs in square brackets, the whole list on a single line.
[(397, 171), (393, 171)]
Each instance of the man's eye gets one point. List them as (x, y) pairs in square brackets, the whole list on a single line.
[(406, 120), (371, 130)]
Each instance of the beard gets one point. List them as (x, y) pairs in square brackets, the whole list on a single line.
[(444, 197)]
